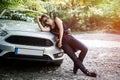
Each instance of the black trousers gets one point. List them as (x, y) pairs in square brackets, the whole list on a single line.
[(70, 45)]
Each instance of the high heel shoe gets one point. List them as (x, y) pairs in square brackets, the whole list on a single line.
[(91, 74), (75, 69)]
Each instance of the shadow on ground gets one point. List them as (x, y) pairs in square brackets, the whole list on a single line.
[(20, 70)]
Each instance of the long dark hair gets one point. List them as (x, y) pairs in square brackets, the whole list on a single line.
[(42, 21)]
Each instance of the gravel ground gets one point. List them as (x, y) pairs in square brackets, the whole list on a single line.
[(103, 57)]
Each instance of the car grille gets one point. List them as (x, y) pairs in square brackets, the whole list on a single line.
[(31, 41)]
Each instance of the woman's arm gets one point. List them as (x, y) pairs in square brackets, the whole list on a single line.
[(40, 25), (61, 30)]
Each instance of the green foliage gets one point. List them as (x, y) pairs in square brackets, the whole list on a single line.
[(80, 15), (9, 3)]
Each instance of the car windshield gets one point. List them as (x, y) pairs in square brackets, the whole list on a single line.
[(14, 15)]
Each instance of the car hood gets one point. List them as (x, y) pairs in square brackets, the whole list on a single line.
[(19, 25)]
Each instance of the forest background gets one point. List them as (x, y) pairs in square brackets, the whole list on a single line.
[(79, 15)]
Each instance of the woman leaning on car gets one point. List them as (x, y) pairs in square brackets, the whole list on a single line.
[(66, 41)]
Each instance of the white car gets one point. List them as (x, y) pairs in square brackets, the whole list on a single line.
[(24, 41)]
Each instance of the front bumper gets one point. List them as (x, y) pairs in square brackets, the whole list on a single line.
[(8, 51)]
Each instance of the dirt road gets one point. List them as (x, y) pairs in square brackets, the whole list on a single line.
[(103, 57)]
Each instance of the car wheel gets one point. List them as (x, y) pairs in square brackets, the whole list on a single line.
[(57, 63)]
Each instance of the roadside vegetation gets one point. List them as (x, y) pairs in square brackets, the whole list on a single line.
[(79, 15)]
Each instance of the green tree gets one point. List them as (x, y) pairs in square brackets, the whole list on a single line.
[(77, 14), (9, 3)]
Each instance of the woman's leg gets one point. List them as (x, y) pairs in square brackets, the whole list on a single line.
[(79, 46), (69, 51)]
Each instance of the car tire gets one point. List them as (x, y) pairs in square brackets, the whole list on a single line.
[(57, 63)]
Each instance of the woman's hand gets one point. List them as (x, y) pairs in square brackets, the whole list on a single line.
[(60, 44), (40, 25), (37, 18)]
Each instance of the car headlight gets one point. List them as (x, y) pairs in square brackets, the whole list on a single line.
[(58, 55), (3, 32)]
